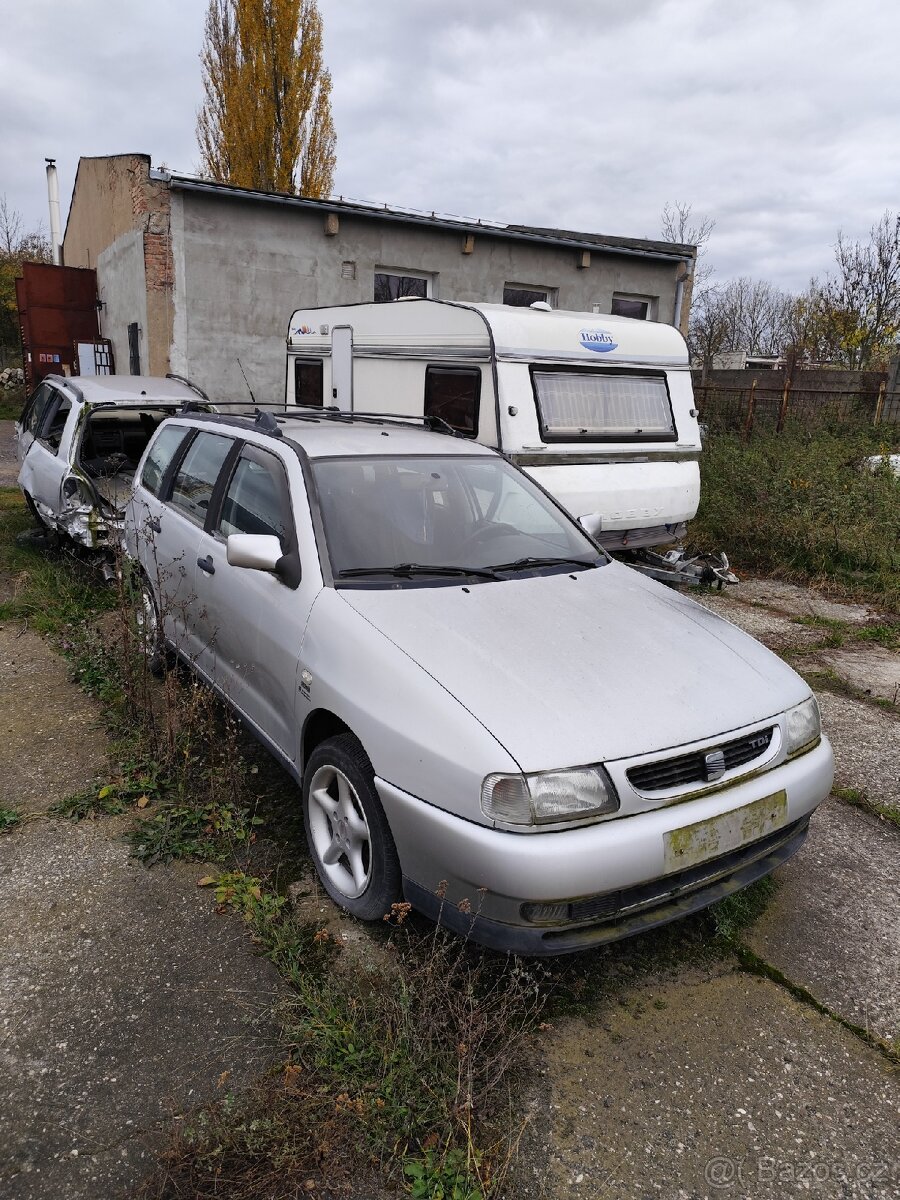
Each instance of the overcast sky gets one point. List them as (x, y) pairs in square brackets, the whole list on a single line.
[(780, 119)]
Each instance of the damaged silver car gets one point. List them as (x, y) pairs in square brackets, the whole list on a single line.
[(79, 441)]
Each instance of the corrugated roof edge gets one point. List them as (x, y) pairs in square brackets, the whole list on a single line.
[(641, 247)]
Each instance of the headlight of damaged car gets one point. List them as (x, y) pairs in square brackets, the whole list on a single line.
[(548, 798), (804, 726)]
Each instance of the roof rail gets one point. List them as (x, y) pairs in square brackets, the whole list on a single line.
[(187, 383), (332, 413), (269, 422)]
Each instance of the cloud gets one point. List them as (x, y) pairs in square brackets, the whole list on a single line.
[(773, 118)]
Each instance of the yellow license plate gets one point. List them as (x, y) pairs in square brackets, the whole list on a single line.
[(697, 843)]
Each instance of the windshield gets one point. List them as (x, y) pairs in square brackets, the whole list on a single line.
[(454, 512)]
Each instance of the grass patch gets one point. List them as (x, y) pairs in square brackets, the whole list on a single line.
[(408, 1058), (887, 635), (52, 591), (858, 798), (800, 505), (12, 401), (732, 916), (827, 680), (9, 819)]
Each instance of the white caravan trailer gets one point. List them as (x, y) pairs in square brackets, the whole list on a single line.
[(598, 409)]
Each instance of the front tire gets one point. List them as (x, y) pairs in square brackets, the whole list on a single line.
[(346, 829)]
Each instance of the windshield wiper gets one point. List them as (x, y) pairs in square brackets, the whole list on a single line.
[(523, 564), (410, 569)]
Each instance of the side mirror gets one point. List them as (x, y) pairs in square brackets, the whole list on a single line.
[(257, 551), (591, 523)]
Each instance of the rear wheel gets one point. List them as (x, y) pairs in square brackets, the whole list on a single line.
[(149, 631), (33, 509), (348, 834)]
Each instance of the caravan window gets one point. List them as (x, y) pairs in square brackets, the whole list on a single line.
[(308, 381), (452, 393), (603, 406)]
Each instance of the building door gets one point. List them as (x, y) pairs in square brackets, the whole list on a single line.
[(342, 367), (134, 348)]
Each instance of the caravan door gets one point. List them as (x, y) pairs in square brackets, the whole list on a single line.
[(342, 367)]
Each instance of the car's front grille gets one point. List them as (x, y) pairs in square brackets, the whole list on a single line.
[(691, 768)]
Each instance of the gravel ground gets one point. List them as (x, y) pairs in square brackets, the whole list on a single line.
[(774, 630), (50, 730), (866, 745), (871, 668), (799, 601), (833, 925), (123, 995), (722, 1085)]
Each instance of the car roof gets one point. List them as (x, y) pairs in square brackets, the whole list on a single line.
[(335, 437), (126, 389)]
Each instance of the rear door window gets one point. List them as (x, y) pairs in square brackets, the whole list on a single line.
[(36, 407), (160, 456), (53, 422), (195, 479)]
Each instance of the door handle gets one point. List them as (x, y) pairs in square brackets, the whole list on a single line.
[(206, 564), (154, 524)]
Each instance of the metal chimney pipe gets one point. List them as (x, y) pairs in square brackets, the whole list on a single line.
[(53, 200)]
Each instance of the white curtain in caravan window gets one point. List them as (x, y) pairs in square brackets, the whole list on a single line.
[(584, 404)]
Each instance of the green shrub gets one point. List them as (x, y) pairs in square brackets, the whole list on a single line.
[(802, 504)]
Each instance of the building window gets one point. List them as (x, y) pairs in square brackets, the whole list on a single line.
[(520, 295), (452, 394), (348, 270), (394, 285), (641, 308), (308, 381)]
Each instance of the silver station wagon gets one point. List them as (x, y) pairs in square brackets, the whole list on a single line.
[(528, 741)]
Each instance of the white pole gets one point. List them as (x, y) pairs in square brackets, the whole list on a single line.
[(53, 200)]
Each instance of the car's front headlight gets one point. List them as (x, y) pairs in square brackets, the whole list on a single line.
[(804, 726), (549, 797)]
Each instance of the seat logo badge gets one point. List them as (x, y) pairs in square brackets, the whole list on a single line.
[(714, 762)]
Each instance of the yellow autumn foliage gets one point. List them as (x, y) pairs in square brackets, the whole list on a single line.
[(265, 122)]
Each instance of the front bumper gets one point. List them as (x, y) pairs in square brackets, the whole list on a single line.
[(613, 874)]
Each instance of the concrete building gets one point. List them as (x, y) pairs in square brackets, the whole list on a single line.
[(200, 278)]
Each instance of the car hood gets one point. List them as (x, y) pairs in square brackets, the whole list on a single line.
[(598, 665)]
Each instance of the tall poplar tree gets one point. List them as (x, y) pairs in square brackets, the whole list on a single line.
[(265, 122)]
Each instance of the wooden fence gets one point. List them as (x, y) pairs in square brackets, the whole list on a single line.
[(773, 408)]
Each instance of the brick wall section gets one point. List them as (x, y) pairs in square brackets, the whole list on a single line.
[(160, 273), (158, 250)]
